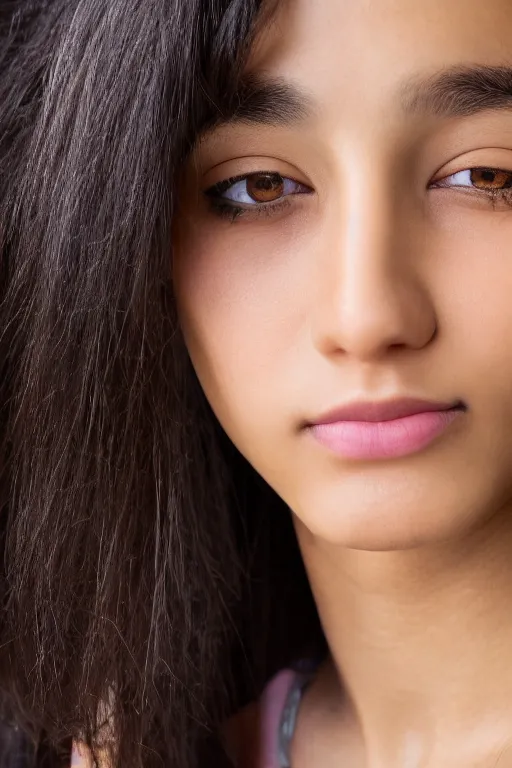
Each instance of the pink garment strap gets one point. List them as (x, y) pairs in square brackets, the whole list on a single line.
[(273, 701)]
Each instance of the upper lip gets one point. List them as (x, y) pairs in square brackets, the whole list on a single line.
[(383, 410)]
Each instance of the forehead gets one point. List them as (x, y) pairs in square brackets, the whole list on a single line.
[(359, 55)]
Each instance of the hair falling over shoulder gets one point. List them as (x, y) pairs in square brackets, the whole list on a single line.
[(144, 562)]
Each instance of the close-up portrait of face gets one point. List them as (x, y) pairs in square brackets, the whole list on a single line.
[(256, 391), (342, 244)]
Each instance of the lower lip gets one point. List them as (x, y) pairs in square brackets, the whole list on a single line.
[(384, 439)]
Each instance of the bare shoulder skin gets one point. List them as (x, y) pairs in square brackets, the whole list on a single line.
[(81, 757)]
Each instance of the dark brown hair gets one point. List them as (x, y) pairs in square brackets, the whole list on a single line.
[(145, 563)]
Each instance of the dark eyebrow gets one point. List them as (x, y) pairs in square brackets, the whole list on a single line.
[(265, 100), (459, 91)]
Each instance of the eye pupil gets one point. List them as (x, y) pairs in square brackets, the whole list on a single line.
[(265, 187)]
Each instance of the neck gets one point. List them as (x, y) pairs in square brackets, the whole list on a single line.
[(421, 642)]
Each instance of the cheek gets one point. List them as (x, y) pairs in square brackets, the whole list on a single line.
[(240, 309), (473, 298), (471, 284)]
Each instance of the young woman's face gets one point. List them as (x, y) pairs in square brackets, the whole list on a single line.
[(368, 256)]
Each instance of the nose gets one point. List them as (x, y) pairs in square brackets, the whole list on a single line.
[(371, 292)]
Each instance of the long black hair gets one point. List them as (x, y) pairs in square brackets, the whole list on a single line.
[(145, 564)]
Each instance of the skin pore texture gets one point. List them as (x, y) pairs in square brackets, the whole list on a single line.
[(372, 281)]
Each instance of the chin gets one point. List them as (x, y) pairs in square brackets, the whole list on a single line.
[(365, 514), (384, 534)]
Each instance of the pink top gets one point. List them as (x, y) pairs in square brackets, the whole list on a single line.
[(278, 713)]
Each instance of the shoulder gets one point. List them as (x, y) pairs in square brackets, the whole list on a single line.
[(251, 735)]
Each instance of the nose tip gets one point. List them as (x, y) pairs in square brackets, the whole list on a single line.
[(371, 298)]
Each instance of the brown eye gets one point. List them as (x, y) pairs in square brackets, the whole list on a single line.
[(263, 191), (491, 178), (491, 183), (265, 187)]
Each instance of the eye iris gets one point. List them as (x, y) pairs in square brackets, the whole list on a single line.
[(488, 178), (265, 187)]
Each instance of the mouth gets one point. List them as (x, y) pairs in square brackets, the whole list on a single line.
[(385, 429)]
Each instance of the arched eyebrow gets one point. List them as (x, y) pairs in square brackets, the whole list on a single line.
[(262, 99), (458, 91)]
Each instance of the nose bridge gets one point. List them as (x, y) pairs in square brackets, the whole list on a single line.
[(371, 294), (365, 245)]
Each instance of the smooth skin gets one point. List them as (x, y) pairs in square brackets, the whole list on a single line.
[(372, 283)]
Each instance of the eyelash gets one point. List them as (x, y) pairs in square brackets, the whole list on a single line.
[(223, 208)]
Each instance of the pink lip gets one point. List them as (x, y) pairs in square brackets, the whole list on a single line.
[(383, 430)]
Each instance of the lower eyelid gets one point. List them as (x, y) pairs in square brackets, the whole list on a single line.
[(225, 209)]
